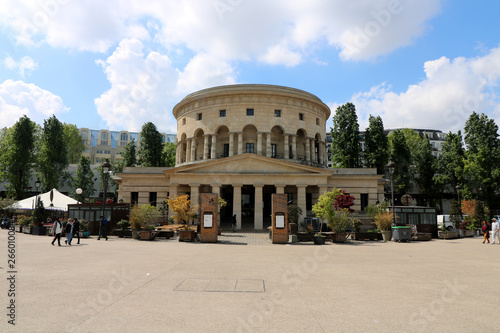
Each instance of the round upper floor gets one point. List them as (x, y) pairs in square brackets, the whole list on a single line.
[(264, 106)]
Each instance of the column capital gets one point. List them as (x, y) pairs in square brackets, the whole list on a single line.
[(194, 185)]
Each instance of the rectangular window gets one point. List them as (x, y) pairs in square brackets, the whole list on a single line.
[(226, 149), (199, 116), (277, 113), (249, 112), (222, 113), (152, 198), (273, 150), (134, 197), (301, 116), (183, 121), (317, 121), (250, 148)]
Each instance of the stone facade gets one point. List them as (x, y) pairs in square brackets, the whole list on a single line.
[(243, 157)]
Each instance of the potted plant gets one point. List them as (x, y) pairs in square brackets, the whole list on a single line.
[(306, 234), (25, 224), (39, 215), (293, 214), (135, 222), (123, 231), (183, 212), (144, 221), (383, 220), (84, 229), (334, 207)]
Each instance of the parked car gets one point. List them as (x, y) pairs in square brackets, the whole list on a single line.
[(448, 224)]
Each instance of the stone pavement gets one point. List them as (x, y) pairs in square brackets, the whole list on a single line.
[(125, 285)]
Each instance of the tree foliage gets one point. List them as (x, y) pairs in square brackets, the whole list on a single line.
[(169, 153), (450, 164), (376, 154), (74, 143), (181, 206), (401, 155), (345, 137), (84, 179), (151, 151), (17, 155), (53, 155)]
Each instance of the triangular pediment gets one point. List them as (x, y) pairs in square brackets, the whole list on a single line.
[(247, 164)]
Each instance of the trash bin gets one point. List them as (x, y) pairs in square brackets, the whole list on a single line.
[(401, 234)]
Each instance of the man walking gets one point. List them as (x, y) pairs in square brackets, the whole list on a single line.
[(69, 231), (102, 231), (495, 232), (57, 230)]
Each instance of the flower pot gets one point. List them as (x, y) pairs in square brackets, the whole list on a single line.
[(319, 240), (135, 234), (304, 237), (85, 234), (18, 228), (148, 235), (186, 235), (386, 235), (26, 230), (339, 237), (39, 230)]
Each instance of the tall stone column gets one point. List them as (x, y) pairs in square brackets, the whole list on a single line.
[(259, 144), (240, 143), (213, 152), (322, 152), (301, 200), (308, 150), (231, 144), (193, 149), (237, 204), (205, 146), (313, 151), (268, 144), (286, 150), (195, 198), (258, 223), (188, 150), (294, 147)]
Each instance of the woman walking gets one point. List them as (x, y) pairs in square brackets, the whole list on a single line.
[(56, 230), (486, 232)]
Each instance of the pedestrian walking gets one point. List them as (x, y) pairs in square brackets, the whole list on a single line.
[(102, 230), (69, 231), (76, 229), (495, 232), (486, 232), (234, 222), (56, 230)]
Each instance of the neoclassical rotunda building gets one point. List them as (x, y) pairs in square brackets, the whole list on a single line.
[(246, 142)]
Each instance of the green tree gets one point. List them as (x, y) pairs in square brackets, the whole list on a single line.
[(450, 164), (53, 155), (425, 170), (84, 179), (482, 159), (376, 154), (151, 151), (17, 156), (345, 137), (129, 157), (74, 143), (401, 155), (169, 153)]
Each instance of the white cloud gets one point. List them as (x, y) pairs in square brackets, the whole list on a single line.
[(18, 98), (280, 32), (450, 92), (146, 87), (24, 66)]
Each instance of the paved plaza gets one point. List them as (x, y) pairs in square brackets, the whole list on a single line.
[(246, 284)]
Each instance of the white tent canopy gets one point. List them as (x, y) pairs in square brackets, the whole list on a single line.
[(59, 201)]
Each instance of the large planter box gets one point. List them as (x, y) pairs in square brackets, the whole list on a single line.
[(122, 233), (26, 230), (305, 237), (340, 237), (39, 231), (148, 235), (366, 236), (447, 234), (186, 235), (165, 234), (18, 228)]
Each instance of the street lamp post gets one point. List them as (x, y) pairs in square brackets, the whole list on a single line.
[(391, 166), (105, 170), (38, 183)]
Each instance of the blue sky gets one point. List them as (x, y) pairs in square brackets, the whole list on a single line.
[(120, 63)]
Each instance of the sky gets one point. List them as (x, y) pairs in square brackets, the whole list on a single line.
[(118, 64)]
